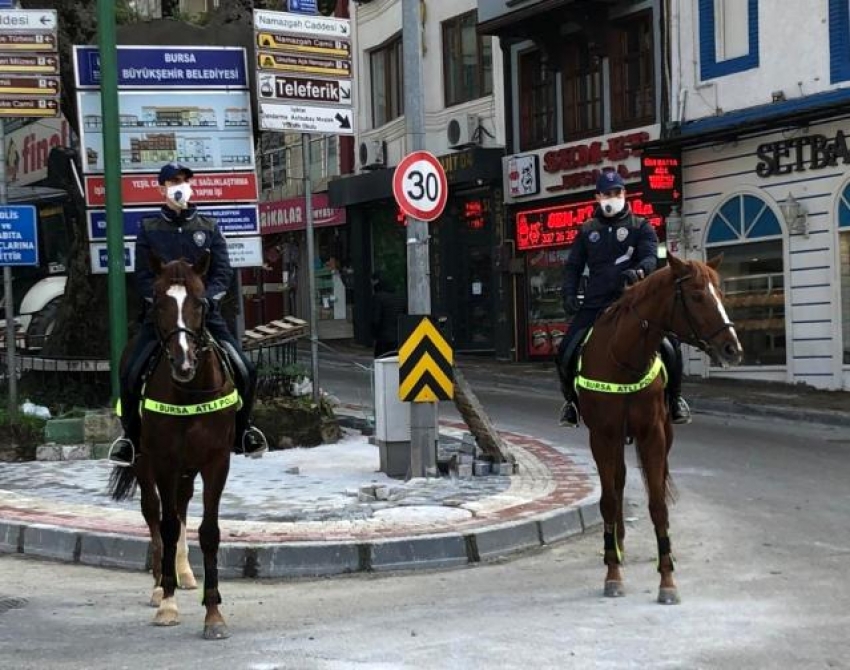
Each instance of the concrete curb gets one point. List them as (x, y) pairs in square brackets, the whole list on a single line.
[(309, 559), (740, 409)]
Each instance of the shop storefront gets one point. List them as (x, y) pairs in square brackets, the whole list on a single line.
[(551, 194), (776, 204), (468, 281), (279, 288)]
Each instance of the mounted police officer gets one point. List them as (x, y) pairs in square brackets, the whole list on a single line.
[(179, 231), (619, 249)]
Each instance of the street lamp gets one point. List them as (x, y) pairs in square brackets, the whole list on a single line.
[(795, 215)]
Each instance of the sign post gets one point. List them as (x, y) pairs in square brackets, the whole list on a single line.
[(423, 416), (304, 80)]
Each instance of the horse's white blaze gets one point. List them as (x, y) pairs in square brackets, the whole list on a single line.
[(178, 292), (722, 311)]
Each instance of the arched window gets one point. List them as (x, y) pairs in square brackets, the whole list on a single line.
[(748, 234), (844, 265)]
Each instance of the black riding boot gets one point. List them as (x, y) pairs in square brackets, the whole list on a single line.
[(249, 439), (671, 355), (569, 410)]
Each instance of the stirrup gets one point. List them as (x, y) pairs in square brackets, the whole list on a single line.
[(254, 443), (116, 455)]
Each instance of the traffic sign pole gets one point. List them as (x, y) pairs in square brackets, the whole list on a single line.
[(11, 367), (423, 416), (112, 179)]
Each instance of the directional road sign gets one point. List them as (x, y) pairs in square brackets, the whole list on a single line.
[(28, 64), (330, 67), (304, 44), (425, 362), (18, 235), (305, 119), (420, 186), (287, 22), (305, 89), (28, 47), (304, 73)]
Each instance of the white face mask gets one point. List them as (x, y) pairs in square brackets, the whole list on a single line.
[(179, 194), (612, 206)]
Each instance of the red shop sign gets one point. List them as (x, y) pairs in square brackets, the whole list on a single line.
[(291, 214), (559, 226), (206, 187)]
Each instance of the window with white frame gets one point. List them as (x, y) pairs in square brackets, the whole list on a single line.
[(844, 269), (728, 37), (748, 234), (387, 82)]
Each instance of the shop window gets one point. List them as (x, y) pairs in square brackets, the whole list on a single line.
[(748, 234), (632, 73), (387, 82), (537, 101), (844, 269), (728, 37), (467, 60), (582, 91)]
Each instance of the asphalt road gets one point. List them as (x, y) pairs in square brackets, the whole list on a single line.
[(759, 531)]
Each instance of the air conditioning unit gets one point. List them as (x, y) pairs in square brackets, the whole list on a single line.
[(463, 130), (373, 154)]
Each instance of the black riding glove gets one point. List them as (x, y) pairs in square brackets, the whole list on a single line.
[(631, 276), (571, 304)]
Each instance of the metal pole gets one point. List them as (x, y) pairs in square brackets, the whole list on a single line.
[(112, 179), (423, 416), (8, 293), (311, 265)]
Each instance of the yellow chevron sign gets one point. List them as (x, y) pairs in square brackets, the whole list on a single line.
[(425, 363)]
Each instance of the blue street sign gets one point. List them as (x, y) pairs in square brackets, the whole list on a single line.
[(18, 235), (7, 4), (233, 220), (166, 67), (303, 6)]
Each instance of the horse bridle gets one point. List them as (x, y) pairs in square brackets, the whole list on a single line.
[(694, 339), (201, 339)]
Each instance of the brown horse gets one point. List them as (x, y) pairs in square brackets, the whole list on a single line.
[(620, 398), (188, 423)]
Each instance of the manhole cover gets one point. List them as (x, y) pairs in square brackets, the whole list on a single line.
[(8, 603)]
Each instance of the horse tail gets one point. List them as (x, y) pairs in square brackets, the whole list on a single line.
[(122, 483)]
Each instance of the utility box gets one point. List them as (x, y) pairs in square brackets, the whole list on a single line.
[(392, 419)]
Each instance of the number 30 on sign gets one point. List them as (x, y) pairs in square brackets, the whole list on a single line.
[(420, 187)]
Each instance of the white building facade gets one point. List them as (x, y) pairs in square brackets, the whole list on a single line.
[(760, 107)]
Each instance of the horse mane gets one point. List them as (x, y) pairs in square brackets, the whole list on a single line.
[(634, 294)]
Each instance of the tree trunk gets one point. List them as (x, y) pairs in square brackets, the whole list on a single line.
[(470, 408)]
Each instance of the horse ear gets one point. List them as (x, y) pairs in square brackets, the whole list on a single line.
[(202, 264), (677, 266), (715, 262), (155, 263)]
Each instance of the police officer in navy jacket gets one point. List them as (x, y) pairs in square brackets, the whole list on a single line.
[(618, 248), (180, 231)]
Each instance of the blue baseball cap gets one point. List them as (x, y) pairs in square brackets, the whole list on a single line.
[(170, 170), (609, 180)]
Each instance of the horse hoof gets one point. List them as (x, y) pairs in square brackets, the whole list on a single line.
[(166, 619), (614, 590), (216, 631), (156, 597), (669, 596), (187, 581)]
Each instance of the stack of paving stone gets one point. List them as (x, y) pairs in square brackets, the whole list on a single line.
[(465, 458), (79, 435)]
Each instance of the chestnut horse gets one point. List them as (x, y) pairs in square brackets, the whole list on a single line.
[(621, 393), (188, 425)]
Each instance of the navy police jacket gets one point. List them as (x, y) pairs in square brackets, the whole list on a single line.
[(608, 247), (186, 234)]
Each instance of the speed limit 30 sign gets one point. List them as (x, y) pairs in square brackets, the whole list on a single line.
[(420, 187)]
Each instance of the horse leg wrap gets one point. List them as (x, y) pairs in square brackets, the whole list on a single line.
[(664, 551), (216, 597), (612, 548)]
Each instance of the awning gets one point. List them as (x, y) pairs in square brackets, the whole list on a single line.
[(799, 111)]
